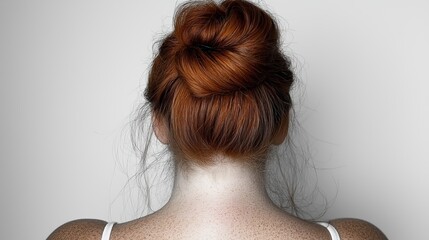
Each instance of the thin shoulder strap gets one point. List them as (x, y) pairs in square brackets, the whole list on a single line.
[(332, 230), (107, 230)]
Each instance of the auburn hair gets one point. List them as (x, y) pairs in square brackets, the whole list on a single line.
[(220, 82)]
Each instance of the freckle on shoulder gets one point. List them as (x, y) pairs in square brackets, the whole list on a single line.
[(357, 229), (79, 229)]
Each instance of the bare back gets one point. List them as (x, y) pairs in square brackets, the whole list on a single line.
[(256, 224), (228, 224)]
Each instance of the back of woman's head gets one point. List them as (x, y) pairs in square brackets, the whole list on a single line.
[(220, 83)]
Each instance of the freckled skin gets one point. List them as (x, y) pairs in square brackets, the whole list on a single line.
[(79, 229), (357, 229), (225, 201), (244, 223), (164, 226)]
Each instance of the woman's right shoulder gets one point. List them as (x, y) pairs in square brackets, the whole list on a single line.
[(79, 229), (356, 229)]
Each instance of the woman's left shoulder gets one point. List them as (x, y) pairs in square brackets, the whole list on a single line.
[(351, 228), (79, 229)]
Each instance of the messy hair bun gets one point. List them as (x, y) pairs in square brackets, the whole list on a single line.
[(223, 48), (220, 81)]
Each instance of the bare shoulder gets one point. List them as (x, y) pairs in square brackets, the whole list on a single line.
[(356, 229), (79, 229)]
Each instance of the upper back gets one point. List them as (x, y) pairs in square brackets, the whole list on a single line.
[(151, 228)]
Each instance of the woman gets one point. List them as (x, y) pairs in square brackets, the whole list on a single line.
[(218, 93)]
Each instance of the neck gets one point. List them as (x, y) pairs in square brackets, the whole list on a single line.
[(223, 184)]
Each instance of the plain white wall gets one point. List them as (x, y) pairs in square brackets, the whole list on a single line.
[(71, 73)]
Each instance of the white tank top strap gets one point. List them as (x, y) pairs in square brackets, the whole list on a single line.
[(107, 230), (331, 229)]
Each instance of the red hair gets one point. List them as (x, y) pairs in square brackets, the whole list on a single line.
[(220, 81)]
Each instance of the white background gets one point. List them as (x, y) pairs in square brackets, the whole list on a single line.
[(72, 71)]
